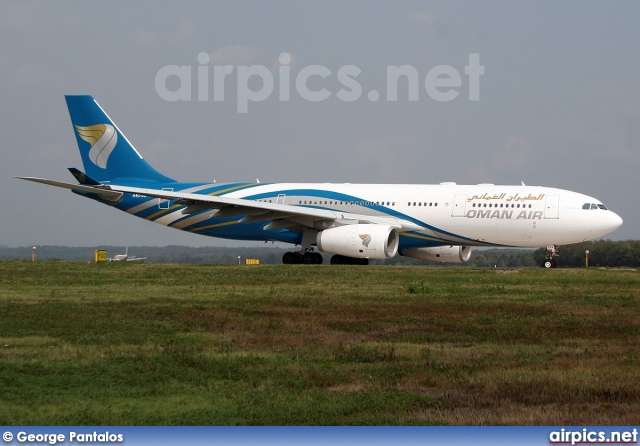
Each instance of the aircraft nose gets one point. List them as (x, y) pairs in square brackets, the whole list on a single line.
[(603, 223), (615, 221)]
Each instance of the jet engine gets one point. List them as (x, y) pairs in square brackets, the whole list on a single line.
[(360, 241), (449, 254)]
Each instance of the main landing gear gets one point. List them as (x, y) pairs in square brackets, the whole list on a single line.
[(305, 257), (549, 261), (309, 257)]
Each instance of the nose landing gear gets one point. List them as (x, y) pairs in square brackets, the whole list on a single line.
[(549, 261)]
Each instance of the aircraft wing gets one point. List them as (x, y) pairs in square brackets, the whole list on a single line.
[(281, 215)]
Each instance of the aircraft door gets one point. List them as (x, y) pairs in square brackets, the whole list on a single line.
[(551, 208), (459, 204)]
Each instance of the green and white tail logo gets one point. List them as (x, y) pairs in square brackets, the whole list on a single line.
[(103, 139)]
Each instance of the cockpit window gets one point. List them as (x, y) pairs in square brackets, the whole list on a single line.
[(594, 206)]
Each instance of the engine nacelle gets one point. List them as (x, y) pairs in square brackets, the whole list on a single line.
[(449, 254), (360, 241)]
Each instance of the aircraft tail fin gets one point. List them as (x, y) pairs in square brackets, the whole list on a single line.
[(106, 153)]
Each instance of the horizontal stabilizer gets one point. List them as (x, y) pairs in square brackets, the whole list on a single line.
[(102, 191)]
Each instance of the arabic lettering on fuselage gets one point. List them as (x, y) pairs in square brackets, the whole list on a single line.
[(504, 196)]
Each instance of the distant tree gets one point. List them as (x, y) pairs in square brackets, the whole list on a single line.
[(601, 253)]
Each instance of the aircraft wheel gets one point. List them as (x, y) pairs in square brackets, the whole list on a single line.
[(308, 258), (550, 263), (288, 258), (317, 257), (336, 260)]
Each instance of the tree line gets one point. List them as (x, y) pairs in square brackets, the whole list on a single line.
[(623, 253), (601, 253)]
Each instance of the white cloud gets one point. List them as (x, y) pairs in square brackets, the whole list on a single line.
[(18, 14), (424, 17), (145, 37), (376, 157), (33, 74), (515, 153), (233, 55), (186, 30), (292, 62)]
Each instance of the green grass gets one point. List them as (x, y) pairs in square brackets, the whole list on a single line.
[(144, 344)]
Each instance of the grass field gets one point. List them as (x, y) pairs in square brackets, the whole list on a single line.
[(145, 344)]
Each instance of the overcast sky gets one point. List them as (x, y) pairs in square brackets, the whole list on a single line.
[(558, 104)]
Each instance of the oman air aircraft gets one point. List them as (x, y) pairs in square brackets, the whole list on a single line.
[(354, 222)]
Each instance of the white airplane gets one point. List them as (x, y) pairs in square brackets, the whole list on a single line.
[(355, 222), (126, 257)]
